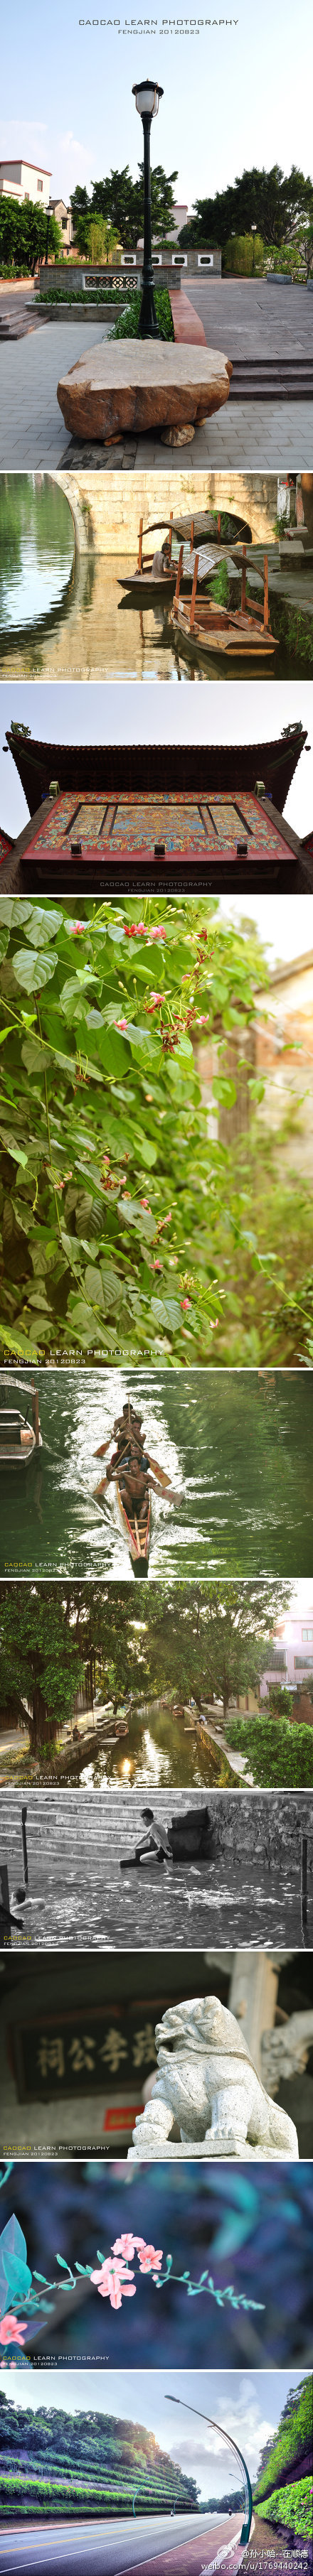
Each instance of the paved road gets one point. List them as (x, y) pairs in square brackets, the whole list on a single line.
[(170, 2546)]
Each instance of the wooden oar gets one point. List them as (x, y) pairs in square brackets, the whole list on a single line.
[(159, 1472)]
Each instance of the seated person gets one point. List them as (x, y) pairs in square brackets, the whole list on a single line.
[(156, 1840), (161, 561)]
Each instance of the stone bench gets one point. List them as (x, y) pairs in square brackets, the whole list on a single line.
[(135, 385)]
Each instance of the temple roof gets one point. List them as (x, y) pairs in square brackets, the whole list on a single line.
[(195, 767)]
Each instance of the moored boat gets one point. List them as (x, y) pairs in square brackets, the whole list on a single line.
[(144, 584), (19, 1439), (238, 634)]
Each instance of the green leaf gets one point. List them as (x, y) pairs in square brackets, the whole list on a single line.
[(172, 1309), (95, 1020), (112, 1051), (31, 971), (93, 1286), (43, 924), (224, 1091), (35, 1056), (8, 910), (17, 1342), (12, 1147)]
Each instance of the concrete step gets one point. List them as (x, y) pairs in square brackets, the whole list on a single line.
[(284, 379)]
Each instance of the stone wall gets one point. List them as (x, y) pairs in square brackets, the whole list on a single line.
[(106, 508)]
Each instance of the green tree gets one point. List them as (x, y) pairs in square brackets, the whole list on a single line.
[(262, 197), (211, 1641), (40, 1659), (119, 199), (23, 233)]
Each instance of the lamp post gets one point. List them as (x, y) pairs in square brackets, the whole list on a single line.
[(49, 213), (226, 2437), (253, 230), (147, 95)]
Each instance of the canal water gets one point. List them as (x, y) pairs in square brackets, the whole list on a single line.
[(236, 1444), (36, 560), (65, 615)]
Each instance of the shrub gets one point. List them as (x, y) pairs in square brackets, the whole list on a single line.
[(280, 1756), (126, 327), (291, 2507), (238, 255), (280, 1702)]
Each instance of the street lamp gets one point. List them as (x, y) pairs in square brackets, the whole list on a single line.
[(226, 2437), (49, 213), (147, 95), (253, 230)]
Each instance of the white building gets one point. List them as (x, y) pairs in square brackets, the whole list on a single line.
[(22, 179), (294, 1640), (63, 217)]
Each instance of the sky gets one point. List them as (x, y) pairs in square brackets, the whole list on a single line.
[(235, 91), (245, 710), (248, 2405)]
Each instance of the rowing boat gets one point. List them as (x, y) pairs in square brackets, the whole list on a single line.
[(144, 584), (19, 1439), (237, 634)]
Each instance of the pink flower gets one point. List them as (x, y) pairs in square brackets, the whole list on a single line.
[(157, 1265), (76, 927), (127, 2245), (150, 2258), (121, 1024), (185, 1302), (114, 2282), (11, 2331), (156, 997), (158, 934), (145, 1203)]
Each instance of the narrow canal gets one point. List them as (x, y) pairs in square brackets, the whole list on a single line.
[(236, 1444)]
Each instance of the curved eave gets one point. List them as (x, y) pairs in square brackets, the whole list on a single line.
[(194, 768)]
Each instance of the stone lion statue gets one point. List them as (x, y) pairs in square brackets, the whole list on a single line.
[(207, 2097)]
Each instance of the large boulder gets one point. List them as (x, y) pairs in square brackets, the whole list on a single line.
[(134, 385)]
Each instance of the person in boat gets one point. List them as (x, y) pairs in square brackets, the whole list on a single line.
[(135, 1483), (161, 561), (156, 1840)]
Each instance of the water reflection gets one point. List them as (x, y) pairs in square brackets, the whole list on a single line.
[(236, 1445), (37, 555), (64, 614)]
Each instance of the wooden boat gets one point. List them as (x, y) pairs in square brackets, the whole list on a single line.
[(240, 634), (19, 1439), (143, 584)]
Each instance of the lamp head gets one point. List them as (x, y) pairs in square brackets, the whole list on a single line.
[(147, 94)]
